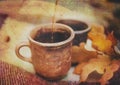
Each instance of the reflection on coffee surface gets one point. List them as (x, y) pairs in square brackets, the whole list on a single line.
[(76, 25), (51, 37)]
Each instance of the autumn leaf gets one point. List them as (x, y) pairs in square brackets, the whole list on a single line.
[(80, 54), (99, 39), (98, 64)]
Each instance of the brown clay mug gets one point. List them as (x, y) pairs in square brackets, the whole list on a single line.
[(50, 49)]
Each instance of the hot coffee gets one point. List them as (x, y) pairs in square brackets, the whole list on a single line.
[(76, 25), (51, 37), (80, 28)]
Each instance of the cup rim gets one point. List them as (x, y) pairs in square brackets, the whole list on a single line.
[(116, 48), (83, 31), (71, 37), (79, 31)]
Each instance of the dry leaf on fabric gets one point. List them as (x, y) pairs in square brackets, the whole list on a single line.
[(109, 72), (80, 54), (98, 64), (99, 40)]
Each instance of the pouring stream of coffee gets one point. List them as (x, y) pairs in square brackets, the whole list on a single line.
[(53, 19)]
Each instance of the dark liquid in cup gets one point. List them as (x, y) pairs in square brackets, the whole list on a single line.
[(77, 26), (74, 24), (49, 37)]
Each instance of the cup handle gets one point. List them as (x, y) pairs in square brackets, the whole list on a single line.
[(17, 51)]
